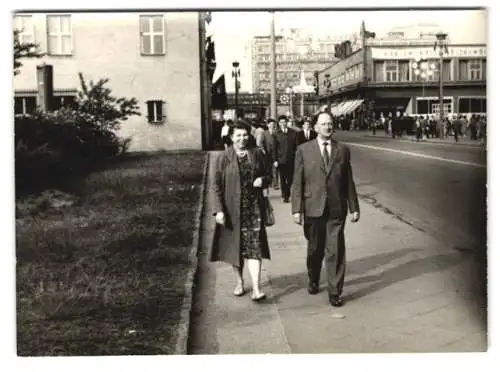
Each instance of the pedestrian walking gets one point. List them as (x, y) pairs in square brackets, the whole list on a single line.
[(271, 125), (266, 142), (418, 124), (307, 132), (237, 192), (224, 134), (323, 192), (286, 145), (456, 127)]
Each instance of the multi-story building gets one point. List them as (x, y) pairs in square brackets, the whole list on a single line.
[(295, 52), (400, 73), (158, 58)]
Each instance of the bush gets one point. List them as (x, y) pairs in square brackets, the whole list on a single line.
[(50, 147)]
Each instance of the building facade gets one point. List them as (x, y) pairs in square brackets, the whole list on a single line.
[(158, 58), (295, 52), (400, 73)]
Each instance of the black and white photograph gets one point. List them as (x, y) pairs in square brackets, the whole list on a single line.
[(249, 182)]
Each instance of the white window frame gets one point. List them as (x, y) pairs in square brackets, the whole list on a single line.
[(446, 108), (60, 35), (156, 118), (150, 34), (394, 73), (26, 34), (474, 73)]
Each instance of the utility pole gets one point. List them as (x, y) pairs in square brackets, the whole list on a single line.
[(441, 44), (274, 111)]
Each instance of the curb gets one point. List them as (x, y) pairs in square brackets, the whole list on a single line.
[(185, 314), (459, 143)]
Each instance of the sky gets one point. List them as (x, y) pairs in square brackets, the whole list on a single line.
[(233, 30)]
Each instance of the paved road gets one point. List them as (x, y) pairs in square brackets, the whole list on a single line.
[(438, 188)]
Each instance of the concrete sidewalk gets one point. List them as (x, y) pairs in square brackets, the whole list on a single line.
[(405, 292)]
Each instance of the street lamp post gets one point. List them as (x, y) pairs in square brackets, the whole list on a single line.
[(441, 43), (236, 75)]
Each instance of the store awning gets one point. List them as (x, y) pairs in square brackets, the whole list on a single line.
[(352, 106), (333, 109), (337, 109), (347, 106)]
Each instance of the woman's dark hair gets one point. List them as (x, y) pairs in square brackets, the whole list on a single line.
[(230, 122), (239, 125)]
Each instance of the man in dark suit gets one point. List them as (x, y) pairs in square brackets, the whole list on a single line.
[(307, 133), (272, 130), (267, 143), (286, 145), (323, 191)]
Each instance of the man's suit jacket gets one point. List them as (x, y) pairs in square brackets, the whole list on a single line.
[(286, 145), (269, 145), (301, 137), (315, 186)]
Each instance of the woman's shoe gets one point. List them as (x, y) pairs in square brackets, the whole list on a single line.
[(239, 290), (258, 296)]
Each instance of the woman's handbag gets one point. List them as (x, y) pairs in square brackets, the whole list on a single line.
[(269, 219)]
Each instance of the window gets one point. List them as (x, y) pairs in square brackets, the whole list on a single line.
[(471, 105), (152, 32), (24, 24), (474, 69), (431, 106), (63, 101), (446, 108), (391, 70), (155, 111), (24, 105), (59, 35), (404, 70)]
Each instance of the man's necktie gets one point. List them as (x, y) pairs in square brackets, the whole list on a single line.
[(307, 135), (326, 156)]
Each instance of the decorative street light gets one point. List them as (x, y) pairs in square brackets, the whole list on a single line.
[(442, 44), (303, 88), (423, 69), (236, 75)]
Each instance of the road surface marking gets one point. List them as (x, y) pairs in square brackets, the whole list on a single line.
[(417, 155)]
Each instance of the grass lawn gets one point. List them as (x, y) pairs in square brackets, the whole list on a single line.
[(106, 275)]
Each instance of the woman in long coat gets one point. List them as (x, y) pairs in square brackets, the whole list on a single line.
[(240, 177)]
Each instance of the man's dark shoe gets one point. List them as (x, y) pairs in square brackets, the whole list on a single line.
[(312, 288), (336, 300)]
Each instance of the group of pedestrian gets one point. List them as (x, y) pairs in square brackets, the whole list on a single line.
[(315, 175)]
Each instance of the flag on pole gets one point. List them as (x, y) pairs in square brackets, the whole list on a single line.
[(369, 35), (219, 96)]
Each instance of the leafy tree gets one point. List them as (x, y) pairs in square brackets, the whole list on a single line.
[(23, 50), (105, 111)]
